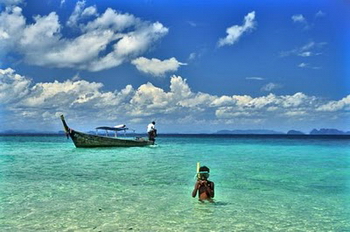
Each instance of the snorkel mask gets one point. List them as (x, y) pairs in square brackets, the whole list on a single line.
[(203, 176), (203, 173)]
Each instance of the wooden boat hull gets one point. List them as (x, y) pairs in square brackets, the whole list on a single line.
[(87, 140)]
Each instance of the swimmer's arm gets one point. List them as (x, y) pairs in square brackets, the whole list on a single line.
[(196, 186), (211, 190)]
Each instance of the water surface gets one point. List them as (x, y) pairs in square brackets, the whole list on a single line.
[(261, 184)]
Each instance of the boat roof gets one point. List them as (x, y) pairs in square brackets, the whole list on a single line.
[(112, 128)]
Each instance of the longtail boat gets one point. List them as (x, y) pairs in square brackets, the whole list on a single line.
[(81, 139)]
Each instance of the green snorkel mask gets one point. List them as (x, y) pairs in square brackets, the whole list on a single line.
[(203, 173)]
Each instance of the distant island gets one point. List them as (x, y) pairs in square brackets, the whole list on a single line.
[(322, 131), (244, 132), (28, 132), (295, 132)]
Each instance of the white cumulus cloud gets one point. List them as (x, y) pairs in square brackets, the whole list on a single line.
[(101, 42), (12, 86), (12, 24), (11, 2), (298, 18), (235, 32), (303, 22), (333, 106), (155, 66), (80, 12), (320, 14), (271, 86), (308, 50)]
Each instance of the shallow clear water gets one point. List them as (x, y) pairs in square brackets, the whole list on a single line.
[(261, 184)]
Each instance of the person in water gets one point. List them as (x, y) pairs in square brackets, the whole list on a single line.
[(152, 131), (203, 186)]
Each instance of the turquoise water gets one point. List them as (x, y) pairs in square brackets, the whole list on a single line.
[(261, 184)]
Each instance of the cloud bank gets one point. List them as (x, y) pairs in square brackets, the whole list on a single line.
[(23, 102)]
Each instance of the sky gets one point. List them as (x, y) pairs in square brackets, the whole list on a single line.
[(191, 66)]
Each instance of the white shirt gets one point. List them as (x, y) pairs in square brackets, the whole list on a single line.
[(150, 127)]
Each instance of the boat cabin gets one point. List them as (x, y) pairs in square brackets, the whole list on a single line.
[(115, 129)]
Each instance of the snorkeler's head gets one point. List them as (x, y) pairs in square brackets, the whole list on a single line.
[(203, 173)]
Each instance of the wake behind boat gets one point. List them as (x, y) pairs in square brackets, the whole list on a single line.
[(81, 139)]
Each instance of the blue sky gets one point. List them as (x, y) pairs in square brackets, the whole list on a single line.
[(193, 66)]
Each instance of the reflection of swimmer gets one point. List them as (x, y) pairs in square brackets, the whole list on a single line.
[(203, 186)]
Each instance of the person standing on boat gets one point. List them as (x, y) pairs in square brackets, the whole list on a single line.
[(152, 131), (203, 186)]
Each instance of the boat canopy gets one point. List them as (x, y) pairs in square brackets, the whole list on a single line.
[(112, 128)]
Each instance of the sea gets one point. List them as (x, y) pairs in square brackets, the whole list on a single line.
[(262, 183)]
